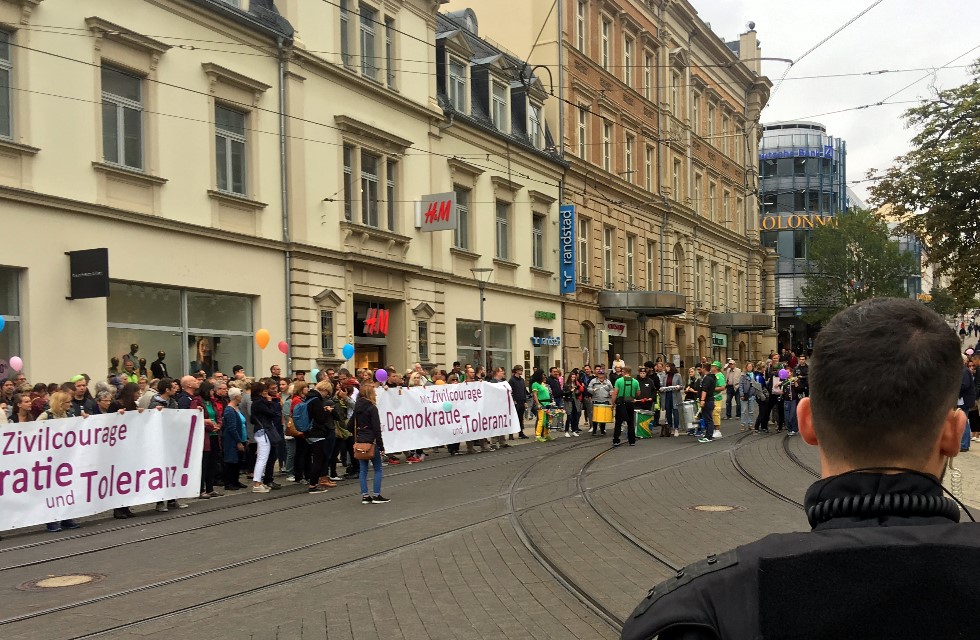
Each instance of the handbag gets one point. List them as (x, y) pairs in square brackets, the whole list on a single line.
[(363, 450), (291, 430)]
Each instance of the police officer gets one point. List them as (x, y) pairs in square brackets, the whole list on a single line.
[(886, 557)]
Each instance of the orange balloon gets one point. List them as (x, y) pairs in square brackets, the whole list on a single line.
[(262, 338)]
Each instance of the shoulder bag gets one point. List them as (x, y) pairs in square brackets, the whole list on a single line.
[(363, 450)]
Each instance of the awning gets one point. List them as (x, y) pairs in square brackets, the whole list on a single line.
[(647, 303), (740, 321)]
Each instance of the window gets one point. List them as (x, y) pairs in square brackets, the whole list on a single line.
[(696, 113), (711, 124), (630, 259), (369, 57), (697, 193), (390, 194), (580, 26), (725, 284), (647, 76), (346, 55), (583, 128), (630, 143), (583, 250), (499, 348), (461, 235), (122, 118), (326, 332), (390, 51), (739, 144), (726, 197), (457, 85), (677, 180), (535, 130), (348, 182), (498, 109), (10, 312), (607, 146), (6, 115), (712, 200), (698, 273), (714, 285), (739, 203), (648, 168), (229, 127), (607, 257), (423, 340), (740, 292), (537, 241), (604, 48), (369, 189), (675, 93), (724, 134), (651, 270), (503, 222), (801, 244), (628, 61), (678, 269), (585, 339)]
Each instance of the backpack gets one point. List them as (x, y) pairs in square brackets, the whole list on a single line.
[(301, 416)]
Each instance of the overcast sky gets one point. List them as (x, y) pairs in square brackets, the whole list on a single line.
[(896, 34)]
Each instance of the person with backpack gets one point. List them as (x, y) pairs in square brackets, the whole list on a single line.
[(297, 450), (749, 388), (323, 415), (624, 399)]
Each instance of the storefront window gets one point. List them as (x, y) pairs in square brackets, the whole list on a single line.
[(499, 344), (542, 353), (216, 335), (10, 311)]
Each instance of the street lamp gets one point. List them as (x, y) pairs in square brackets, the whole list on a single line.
[(482, 276)]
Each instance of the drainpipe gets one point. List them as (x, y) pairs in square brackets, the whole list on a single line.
[(284, 202), (660, 185), (561, 153)]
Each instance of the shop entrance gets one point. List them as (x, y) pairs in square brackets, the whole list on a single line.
[(371, 321)]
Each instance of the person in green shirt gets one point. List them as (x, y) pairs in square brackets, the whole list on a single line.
[(719, 396), (623, 397), (541, 397)]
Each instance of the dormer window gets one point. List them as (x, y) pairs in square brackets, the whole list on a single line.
[(535, 129), (498, 106), (457, 84)]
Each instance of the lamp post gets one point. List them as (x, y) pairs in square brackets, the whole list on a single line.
[(482, 276)]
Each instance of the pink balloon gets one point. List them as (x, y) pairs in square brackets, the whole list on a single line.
[(16, 363), (283, 346)]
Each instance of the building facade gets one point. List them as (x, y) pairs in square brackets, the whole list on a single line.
[(275, 181), (659, 125), (803, 185)]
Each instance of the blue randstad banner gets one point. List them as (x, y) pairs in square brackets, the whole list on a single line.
[(566, 241)]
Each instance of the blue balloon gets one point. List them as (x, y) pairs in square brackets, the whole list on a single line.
[(348, 351), (2, 323), (313, 374)]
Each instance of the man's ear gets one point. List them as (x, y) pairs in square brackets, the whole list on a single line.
[(952, 433), (804, 418)]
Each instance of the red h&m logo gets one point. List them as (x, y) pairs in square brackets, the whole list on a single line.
[(376, 322), (438, 211)]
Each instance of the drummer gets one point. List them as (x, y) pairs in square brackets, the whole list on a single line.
[(600, 390), (540, 399)]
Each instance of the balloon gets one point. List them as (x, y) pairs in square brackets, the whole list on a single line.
[(348, 351), (16, 363), (783, 374), (262, 338), (447, 406), (284, 346), (313, 374), (381, 376), (2, 323)]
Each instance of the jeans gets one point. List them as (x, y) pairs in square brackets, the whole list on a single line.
[(262, 455), (673, 415), (732, 395), (625, 412), (967, 434), (707, 409), (377, 474), (789, 409), (748, 411), (300, 466), (291, 455), (572, 420)]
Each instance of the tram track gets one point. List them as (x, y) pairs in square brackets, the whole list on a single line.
[(796, 459), (745, 473)]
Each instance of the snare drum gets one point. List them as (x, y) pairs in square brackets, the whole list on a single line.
[(602, 413)]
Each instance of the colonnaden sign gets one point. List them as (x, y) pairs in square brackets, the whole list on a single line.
[(797, 221)]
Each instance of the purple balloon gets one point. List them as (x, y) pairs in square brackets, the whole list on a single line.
[(783, 374), (381, 376)]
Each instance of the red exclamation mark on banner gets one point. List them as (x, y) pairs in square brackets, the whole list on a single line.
[(187, 452)]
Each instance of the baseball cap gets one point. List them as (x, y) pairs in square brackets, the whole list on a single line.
[(716, 364), (76, 378)]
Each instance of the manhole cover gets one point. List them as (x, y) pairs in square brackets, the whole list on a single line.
[(57, 582), (714, 508)]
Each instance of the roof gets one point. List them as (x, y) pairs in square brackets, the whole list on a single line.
[(261, 15)]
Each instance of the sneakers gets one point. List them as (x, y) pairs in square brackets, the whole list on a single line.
[(568, 435), (703, 440), (162, 507), (549, 437), (317, 489), (274, 485), (292, 478), (540, 439), (615, 444), (632, 444), (54, 527), (259, 488), (173, 504), (575, 433), (379, 499), (366, 500), (394, 461)]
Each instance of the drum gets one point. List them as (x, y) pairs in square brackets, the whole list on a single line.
[(687, 412), (643, 421), (602, 413)]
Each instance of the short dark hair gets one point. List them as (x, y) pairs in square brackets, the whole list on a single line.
[(237, 368), (854, 416)]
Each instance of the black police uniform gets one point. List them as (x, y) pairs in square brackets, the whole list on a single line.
[(886, 559)]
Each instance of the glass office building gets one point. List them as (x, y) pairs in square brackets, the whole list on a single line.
[(802, 186)]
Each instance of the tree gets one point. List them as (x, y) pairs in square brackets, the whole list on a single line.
[(853, 261), (934, 189), (945, 303)]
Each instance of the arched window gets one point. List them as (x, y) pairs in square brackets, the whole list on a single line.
[(678, 268), (586, 341)]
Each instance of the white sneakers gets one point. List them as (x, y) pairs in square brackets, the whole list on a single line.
[(260, 488)]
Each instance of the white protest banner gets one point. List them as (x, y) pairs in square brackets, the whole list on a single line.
[(59, 469), (420, 417)]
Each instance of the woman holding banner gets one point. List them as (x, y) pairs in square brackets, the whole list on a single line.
[(59, 407), (367, 429)]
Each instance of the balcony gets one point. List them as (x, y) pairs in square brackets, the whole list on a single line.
[(645, 303), (740, 321)]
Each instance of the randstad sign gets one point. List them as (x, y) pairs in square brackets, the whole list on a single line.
[(827, 151), (802, 221)]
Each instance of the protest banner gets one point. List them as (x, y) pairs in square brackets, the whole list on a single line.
[(73, 467), (420, 417)]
